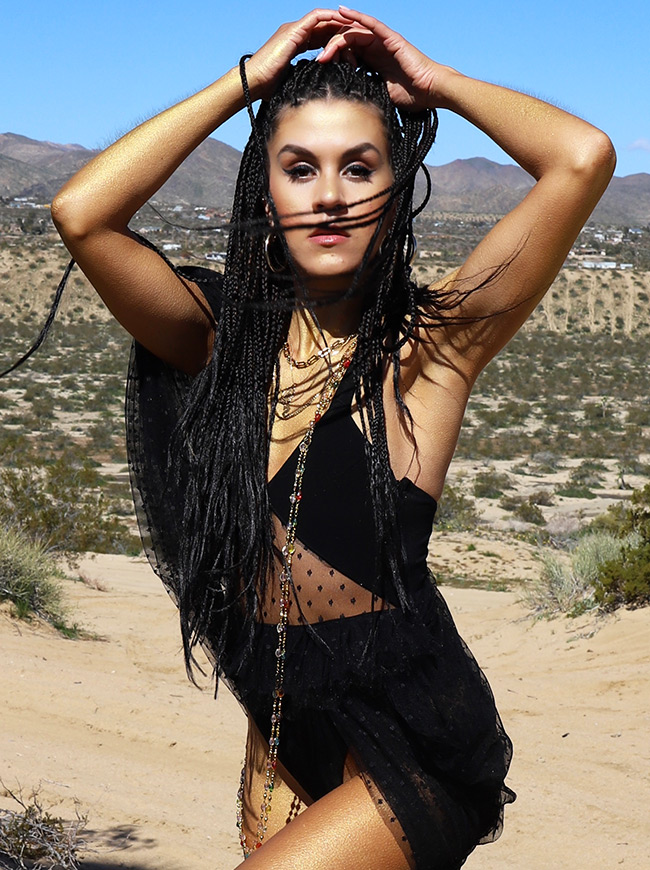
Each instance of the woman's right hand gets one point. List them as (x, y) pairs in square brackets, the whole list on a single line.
[(269, 62)]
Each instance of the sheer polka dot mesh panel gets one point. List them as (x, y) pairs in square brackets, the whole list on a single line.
[(320, 591)]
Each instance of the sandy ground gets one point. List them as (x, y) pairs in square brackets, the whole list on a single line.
[(114, 725)]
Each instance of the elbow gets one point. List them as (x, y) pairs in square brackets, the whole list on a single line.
[(596, 158), (69, 216)]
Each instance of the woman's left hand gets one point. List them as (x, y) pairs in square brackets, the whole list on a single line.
[(411, 77)]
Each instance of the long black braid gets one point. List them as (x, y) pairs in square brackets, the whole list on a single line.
[(227, 551)]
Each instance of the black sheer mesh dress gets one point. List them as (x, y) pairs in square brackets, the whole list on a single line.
[(412, 706)]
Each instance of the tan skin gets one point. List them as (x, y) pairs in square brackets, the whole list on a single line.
[(315, 169)]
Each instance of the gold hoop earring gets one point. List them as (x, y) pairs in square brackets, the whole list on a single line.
[(277, 262), (410, 248)]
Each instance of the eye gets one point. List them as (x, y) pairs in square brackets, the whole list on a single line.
[(359, 171), (299, 172)]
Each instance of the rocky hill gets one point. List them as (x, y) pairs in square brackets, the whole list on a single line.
[(476, 187)]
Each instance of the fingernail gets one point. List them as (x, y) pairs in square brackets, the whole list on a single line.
[(341, 6), (320, 54)]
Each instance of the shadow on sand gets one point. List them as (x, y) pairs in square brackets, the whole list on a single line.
[(102, 850)]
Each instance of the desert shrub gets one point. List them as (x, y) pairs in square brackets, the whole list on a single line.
[(524, 509), (588, 474), (529, 513), (541, 497), (63, 504), (491, 483), (625, 578), (639, 414), (545, 462), (102, 433), (569, 491), (570, 587), (15, 447), (456, 511), (28, 577), (43, 407), (33, 839), (599, 415)]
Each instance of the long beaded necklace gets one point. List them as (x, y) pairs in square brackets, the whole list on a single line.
[(286, 582)]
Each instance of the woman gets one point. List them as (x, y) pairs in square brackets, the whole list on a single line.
[(289, 488)]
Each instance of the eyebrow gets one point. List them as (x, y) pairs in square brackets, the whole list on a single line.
[(300, 150)]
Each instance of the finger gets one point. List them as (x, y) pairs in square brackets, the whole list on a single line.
[(373, 24), (348, 56), (314, 29), (351, 39)]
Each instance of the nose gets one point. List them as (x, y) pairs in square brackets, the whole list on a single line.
[(328, 194)]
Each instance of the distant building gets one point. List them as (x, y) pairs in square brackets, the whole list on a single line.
[(601, 264)]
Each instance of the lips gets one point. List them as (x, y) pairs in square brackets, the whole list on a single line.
[(329, 235)]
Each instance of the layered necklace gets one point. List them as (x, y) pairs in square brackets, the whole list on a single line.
[(323, 401), (289, 403)]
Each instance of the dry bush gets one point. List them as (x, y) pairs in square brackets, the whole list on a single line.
[(570, 588), (33, 839)]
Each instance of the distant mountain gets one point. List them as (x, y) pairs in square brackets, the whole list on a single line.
[(464, 187), (626, 201), (477, 186), (38, 169)]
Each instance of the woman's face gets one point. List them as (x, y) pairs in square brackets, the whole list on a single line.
[(323, 157)]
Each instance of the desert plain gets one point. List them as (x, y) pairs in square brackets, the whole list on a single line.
[(108, 726)]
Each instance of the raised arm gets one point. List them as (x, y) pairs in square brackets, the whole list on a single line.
[(92, 211), (571, 161)]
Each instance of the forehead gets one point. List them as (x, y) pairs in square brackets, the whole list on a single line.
[(329, 124)]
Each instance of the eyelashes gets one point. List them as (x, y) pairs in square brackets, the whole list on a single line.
[(303, 172)]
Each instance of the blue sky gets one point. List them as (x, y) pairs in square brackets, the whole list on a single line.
[(87, 71)]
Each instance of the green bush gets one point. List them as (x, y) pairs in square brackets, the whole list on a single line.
[(541, 496), (545, 462), (524, 509), (529, 513), (456, 511), (63, 503), (490, 484), (28, 577), (625, 579), (588, 474), (570, 587), (570, 491)]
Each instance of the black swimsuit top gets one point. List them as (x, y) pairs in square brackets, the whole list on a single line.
[(336, 519)]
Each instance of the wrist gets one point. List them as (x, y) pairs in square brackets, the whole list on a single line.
[(445, 86)]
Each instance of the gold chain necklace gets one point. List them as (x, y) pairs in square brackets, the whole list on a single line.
[(287, 408), (323, 353)]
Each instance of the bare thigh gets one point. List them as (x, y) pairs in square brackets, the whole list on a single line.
[(284, 791), (342, 831)]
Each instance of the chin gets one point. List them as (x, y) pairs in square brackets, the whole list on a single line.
[(327, 281), (327, 277)]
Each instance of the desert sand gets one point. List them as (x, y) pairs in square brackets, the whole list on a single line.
[(113, 726)]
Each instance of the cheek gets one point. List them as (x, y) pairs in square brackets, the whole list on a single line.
[(288, 203)]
